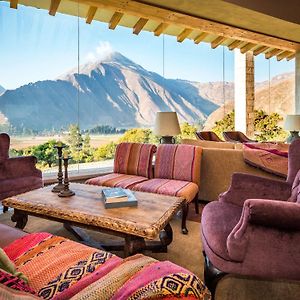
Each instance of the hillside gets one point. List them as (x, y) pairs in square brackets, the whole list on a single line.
[(115, 92), (279, 98), (2, 90)]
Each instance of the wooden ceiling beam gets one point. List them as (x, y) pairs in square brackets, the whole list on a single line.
[(260, 49), (235, 44), (272, 53), (160, 29), (247, 47), (218, 41), (54, 7), (91, 14), (283, 55), (290, 57), (14, 4), (184, 34), (162, 15), (139, 25), (115, 20), (199, 38)]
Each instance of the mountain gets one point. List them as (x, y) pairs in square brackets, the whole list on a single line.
[(2, 90), (278, 96), (114, 91)]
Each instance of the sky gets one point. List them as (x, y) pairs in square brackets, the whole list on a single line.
[(35, 46)]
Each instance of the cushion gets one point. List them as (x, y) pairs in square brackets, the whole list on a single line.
[(179, 162), (185, 189), (20, 184), (13, 282), (208, 144), (295, 196), (7, 293), (217, 222), (134, 159), (116, 180)]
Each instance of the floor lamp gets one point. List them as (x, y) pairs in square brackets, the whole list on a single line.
[(167, 126)]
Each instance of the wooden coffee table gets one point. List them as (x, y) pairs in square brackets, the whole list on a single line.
[(138, 225)]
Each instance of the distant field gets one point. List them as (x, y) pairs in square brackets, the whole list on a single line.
[(24, 142)]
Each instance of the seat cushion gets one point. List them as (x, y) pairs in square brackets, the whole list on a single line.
[(217, 221), (117, 180), (184, 189), (179, 162), (134, 159)]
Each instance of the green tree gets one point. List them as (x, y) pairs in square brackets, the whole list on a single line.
[(188, 131), (137, 135), (225, 124), (105, 152)]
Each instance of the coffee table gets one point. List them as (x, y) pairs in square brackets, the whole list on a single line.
[(139, 226)]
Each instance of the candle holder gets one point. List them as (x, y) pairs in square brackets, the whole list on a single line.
[(59, 187), (66, 192)]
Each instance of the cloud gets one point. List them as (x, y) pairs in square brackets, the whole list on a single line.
[(103, 51)]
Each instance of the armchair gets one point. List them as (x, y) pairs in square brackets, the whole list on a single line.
[(18, 174), (208, 136), (236, 137), (254, 229)]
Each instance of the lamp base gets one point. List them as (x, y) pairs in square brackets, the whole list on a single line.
[(294, 136), (167, 140)]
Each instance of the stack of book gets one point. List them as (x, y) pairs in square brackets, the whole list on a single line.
[(118, 197)]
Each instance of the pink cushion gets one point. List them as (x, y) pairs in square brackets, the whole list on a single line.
[(134, 159), (116, 180), (295, 196), (179, 162), (179, 188)]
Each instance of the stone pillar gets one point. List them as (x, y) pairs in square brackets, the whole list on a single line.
[(297, 83), (244, 92)]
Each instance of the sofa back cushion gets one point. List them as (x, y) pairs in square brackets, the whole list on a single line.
[(208, 144), (180, 162), (134, 159), (295, 195), (4, 146)]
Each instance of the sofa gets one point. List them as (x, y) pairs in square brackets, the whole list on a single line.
[(176, 171), (53, 267), (219, 162), (18, 174)]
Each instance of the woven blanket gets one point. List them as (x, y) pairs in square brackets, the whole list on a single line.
[(271, 157), (58, 268)]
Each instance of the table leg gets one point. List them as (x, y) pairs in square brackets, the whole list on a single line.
[(133, 245), (20, 218)]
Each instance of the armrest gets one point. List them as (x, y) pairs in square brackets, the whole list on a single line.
[(21, 166), (280, 215), (246, 186)]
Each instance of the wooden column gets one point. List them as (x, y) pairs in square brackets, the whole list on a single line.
[(244, 92), (297, 83)]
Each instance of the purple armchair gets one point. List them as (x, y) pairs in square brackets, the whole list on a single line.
[(18, 174), (236, 137), (254, 228)]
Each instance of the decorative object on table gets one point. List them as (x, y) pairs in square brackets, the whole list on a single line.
[(66, 192), (167, 126), (292, 124), (118, 197), (59, 187)]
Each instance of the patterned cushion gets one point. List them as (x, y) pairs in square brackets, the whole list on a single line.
[(179, 188), (13, 282), (134, 159), (116, 180), (180, 162)]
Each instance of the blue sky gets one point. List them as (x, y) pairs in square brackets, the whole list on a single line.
[(35, 46)]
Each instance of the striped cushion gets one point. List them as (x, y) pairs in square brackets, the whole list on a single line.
[(116, 180), (180, 162), (134, 159), (179, 188)]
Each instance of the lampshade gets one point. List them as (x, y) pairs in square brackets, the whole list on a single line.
[(292, 123), (166, 124)]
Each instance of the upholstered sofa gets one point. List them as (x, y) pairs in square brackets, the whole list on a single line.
[(219, 162), (18, 174), (53, 267)]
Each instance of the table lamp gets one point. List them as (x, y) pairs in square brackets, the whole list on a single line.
[(167, 126), (292, 124)]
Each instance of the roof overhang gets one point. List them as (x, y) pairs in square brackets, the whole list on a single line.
[(212, 21)]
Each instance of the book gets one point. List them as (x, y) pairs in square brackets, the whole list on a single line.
[(121, 201)]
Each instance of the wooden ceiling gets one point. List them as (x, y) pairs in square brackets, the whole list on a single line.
[(161, 19)]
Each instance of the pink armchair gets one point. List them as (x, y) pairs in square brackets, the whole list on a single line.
[(18, 174), (254, 228)]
